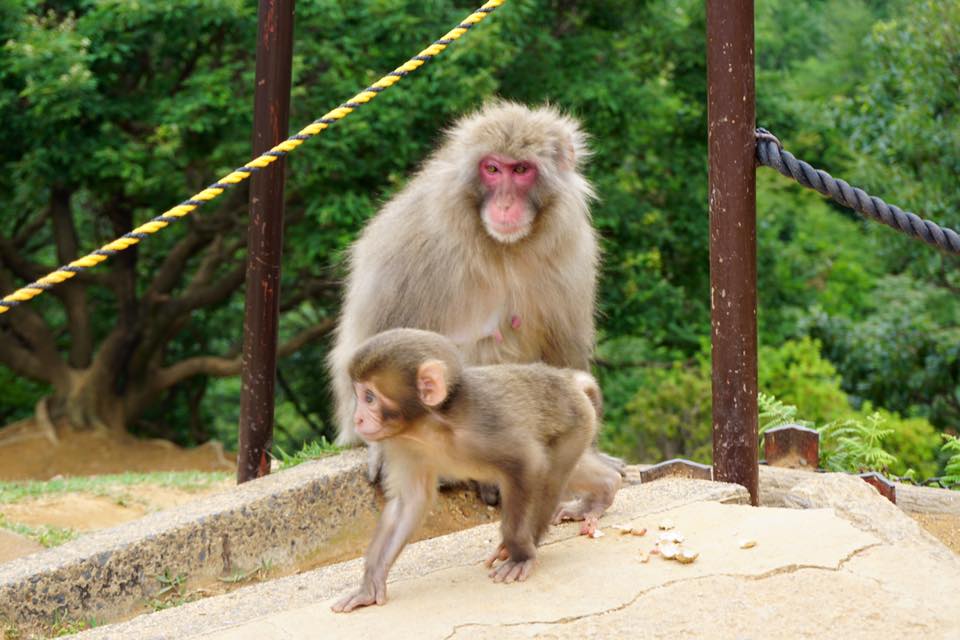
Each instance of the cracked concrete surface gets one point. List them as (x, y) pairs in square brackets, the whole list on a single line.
[(847, 564), (589, 577)]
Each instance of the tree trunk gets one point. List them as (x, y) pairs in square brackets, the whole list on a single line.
[(87, 401)]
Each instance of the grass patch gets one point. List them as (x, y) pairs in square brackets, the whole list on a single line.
[(45, 535), (172, 593), (239, 576), (13, 491), (64, 627), (310, 451), (10, 631)]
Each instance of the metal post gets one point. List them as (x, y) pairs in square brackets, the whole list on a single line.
[(733, 240), (265, 239)]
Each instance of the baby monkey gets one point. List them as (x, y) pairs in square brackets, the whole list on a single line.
[(522, 427)]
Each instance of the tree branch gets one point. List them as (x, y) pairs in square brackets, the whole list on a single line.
[(174, 311), (223, 367), (124, 268), (215, 293), (22, 235), (29, 330), (73, 295), (28, 270), (307, 289), (171, 269), (21, 267), (202, 230), (20, 360)]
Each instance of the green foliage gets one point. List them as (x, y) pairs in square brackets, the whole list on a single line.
[(903, 126), (47, 536), (19, 396), (797, 374), (669, 410), (912, 440), (951, 470), (66, 627), (855, 445), (669, 413), (801, 265), (291, 428), (905, 356), (865, 440), (669, 417), (801, 378), (172, 591), (774, 413), (312, 450), (107, 485), (130, 107), (239, 576)]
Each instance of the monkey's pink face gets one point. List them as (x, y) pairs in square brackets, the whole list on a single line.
[(376, 417), (508, 211)]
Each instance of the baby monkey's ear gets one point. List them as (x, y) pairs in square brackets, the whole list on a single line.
[(432, 382)]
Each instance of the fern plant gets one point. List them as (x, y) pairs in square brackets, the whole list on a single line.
[(852, 444), (774, 413), (855, 445), (951, 473)]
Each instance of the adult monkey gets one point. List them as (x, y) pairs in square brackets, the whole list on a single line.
[(490, 244)]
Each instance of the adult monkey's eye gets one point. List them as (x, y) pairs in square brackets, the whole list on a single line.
[(369, 396), (520, 169), (491, 168)]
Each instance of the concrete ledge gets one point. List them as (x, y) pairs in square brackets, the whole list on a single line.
[(463, 549), (278, 519), (844, 560), (776, 482), (307, 511)]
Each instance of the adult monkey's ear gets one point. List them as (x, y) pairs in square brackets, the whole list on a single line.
[(432, 382), (566, 154)]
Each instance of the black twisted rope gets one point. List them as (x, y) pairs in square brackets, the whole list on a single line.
[(771, 153)]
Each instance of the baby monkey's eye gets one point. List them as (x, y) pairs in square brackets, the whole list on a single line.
[(520, 169), (491, 168), (369, 396)]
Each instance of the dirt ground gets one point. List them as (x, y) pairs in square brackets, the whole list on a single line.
[(944, 527), (30, 453)]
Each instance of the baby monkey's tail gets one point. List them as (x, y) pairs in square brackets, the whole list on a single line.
[(588, 384)]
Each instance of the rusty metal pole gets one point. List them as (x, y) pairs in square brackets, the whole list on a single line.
[(265, 239), (733, 240)]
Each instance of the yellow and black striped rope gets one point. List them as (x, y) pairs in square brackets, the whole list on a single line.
[(239, 175)]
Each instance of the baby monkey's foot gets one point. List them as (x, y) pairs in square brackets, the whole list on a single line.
[(589, 526), (512, 571), (580, 510), (508, 570), (374, 592), (575, 510)]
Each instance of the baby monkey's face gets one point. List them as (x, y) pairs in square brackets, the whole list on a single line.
[(376, 417)]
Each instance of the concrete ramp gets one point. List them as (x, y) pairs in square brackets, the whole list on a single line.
[(844, 564)]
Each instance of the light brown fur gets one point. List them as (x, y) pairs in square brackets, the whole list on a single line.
[(526, 428), (425, 260)]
